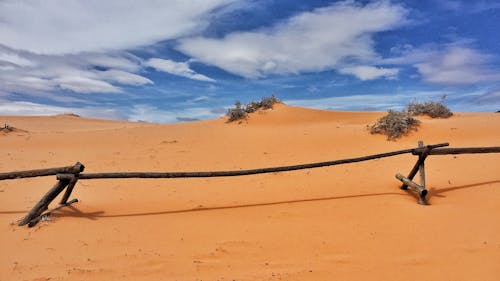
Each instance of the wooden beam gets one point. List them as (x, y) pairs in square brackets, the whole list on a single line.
[(77, 168), (420, 190), (69, 189), (421, 159), (463, 150), (43, 204), (240, 172), (421, 168)]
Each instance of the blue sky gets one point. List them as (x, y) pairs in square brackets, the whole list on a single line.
[(171, 61)]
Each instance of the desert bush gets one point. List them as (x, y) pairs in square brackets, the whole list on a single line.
[(268, 102), (236, 113), (395, 124), (430, 108), (7, 128), (240, 111)]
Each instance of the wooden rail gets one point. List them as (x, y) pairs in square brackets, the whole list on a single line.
[(77, 168), (62, 176)]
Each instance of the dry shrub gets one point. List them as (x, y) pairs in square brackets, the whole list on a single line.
[(395, 124), (7, 128), (236, 113), (240, 111), (430, 108)]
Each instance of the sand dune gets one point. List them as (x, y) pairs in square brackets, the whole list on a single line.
[(348, 222)]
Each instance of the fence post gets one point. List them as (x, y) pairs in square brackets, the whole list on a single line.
[(43, 204), (421, 168)]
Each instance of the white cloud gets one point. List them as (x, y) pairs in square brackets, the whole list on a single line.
[(124, 77), (81, 46), (490, 98), (21, 108), (81, 84), (154, 114), (480, 100), (28, 73), (12, 58), (365, 72), (71, 26), (311, 41), (176, 68), (452, 64), (458, 65)]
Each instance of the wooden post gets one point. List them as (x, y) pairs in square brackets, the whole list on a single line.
[(422, 192), (421, 168), (43, 204), (416, 168), (69, 189)]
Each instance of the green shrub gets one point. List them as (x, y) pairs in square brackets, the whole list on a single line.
[(240, 111), (430, 108), (395, 124)]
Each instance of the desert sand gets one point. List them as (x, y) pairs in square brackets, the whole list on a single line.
[(348, 222)]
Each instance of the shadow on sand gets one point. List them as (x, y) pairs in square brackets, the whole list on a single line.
[(71, 211)]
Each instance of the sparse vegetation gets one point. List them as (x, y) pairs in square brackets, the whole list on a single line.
[(430, 108), (240, 111), (6, 128), (395, 124)]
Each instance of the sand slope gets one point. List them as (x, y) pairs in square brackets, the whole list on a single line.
[(348, 222)]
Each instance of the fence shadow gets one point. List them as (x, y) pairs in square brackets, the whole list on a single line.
[(75, 212), (437, 192)]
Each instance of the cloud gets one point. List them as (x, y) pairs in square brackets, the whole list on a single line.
[(311, 41), (450, 64), (458, 65), (176, 68), (30, 73), (469, 6), (85, 85), (124, 77), (365, 72), (490, 98), (71, 26), (480, 100), (22, 108), (83, 47), (149, 113)]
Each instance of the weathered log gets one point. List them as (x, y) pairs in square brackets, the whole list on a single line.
[(421, 159), (239, 172), (420, 190), (77, 168), (34, 221), (421, 168), (463, 150), (69, 189), (43, 204)]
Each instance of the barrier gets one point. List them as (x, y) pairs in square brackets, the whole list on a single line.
[(68, 176)]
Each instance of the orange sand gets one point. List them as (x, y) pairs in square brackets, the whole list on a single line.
[(348, 222)]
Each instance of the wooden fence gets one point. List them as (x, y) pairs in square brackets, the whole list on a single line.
[(68, 176)]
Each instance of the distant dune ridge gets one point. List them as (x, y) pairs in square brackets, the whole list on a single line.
[(349, 222)]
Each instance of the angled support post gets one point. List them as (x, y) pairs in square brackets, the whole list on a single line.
[(69, 189), (36, 212), (43, 204), (418, 166), (79, 167)]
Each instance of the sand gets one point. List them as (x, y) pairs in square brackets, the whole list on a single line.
[(349, 222)]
